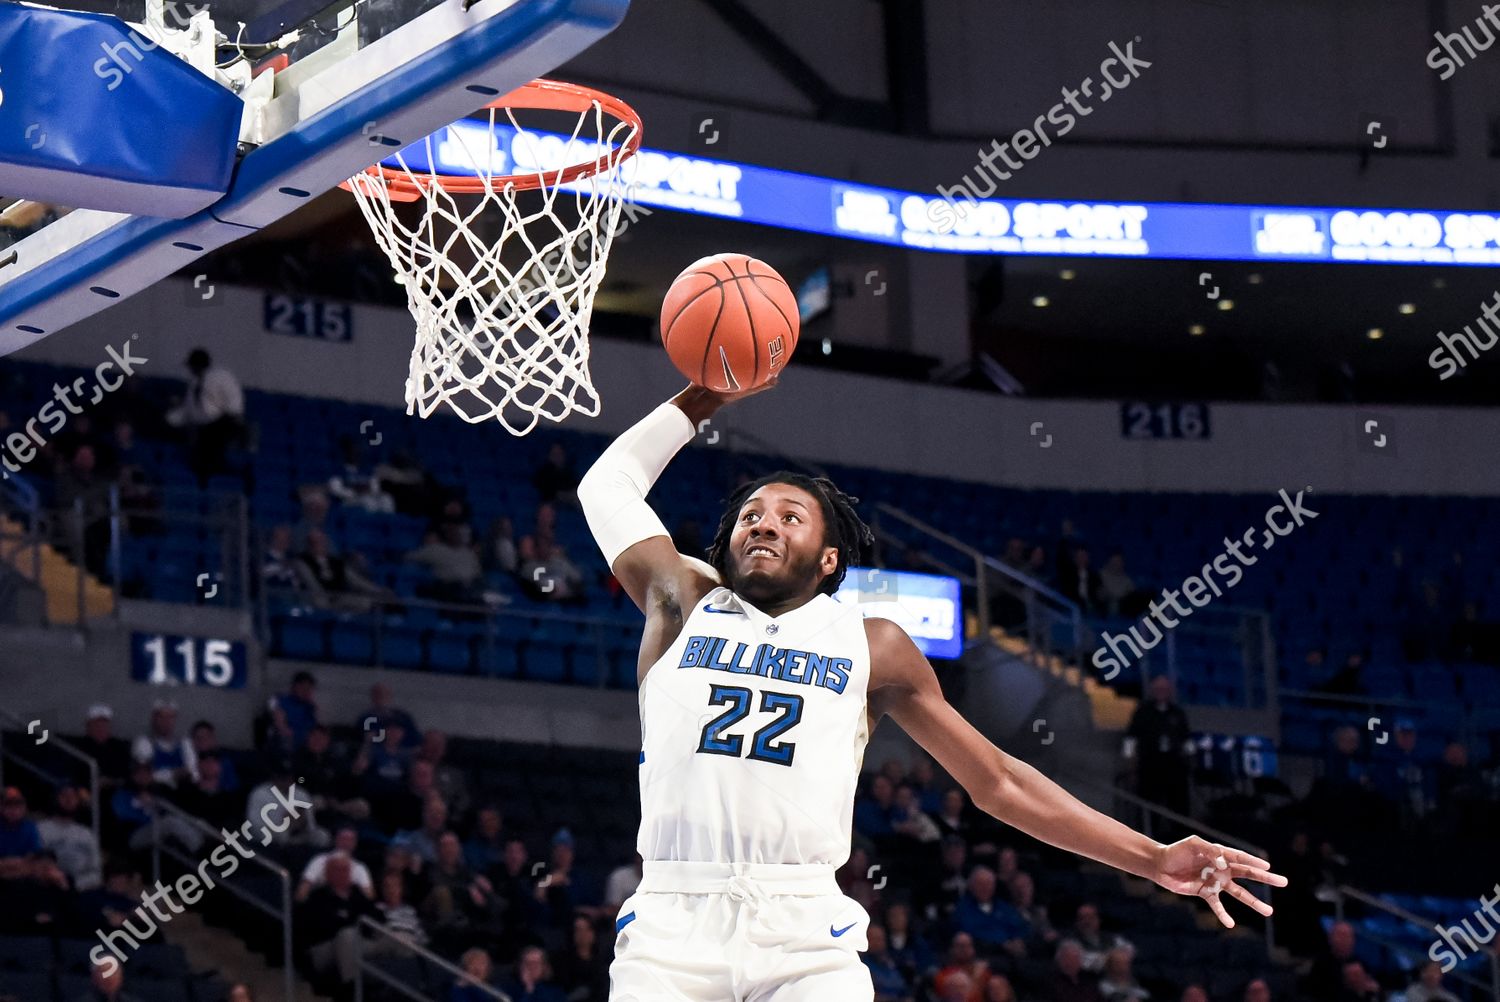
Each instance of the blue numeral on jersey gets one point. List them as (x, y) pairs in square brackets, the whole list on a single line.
[(761, 748), (738, 700), (714, 742)]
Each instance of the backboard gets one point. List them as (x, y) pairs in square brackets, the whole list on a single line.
[(324, 90)]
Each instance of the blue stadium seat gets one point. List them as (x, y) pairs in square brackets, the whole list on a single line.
[(351, 642)]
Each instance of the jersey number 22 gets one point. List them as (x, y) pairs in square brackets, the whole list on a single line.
[(763, 747)]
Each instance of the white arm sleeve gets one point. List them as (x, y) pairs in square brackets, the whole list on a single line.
[(613, 491)]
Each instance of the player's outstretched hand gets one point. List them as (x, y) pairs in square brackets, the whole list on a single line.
[(1203, 869), (729, 398)]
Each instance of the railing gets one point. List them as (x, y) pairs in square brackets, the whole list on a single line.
[(1150, 818), (396, 944), (281, 913), (1343, 893), (1245, 631), (51, 778), (1470, 729)]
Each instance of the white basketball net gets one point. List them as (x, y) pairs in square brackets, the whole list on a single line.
[(498, 339)]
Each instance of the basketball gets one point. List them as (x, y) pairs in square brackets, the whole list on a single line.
[(729, 322)]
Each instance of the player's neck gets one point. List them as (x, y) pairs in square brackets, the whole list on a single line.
[(778, 607)]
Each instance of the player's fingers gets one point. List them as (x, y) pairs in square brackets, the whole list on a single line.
[(1242, 872), (1244, 897), (1217, 907), (1244, 858)]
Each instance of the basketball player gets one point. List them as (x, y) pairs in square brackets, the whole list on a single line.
[(758, 693)]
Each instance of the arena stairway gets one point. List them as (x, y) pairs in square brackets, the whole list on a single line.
[(58, 579)]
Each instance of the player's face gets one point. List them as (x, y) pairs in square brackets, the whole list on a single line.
[(776, 549)]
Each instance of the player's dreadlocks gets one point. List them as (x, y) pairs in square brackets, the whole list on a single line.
[(844, 528)]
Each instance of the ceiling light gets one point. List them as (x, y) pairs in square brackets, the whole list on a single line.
[(1195, 329), (1040, 302), (1407, 309), (1067, 274), (1226, 304), (1374, 333)]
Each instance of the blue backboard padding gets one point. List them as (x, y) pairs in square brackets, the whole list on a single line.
[(500, 52), (99, 116)]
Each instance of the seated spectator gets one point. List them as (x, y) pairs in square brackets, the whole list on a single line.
[(80, 489), (315, 504), (111, 753), (514, 880), (909, 820), (385, 759), (890, 983), (548, 574), (940, 898), (1259, 991), (294, 713), (400, 860), (1348, 680), (1118, 983), (499, 552), (34, 888), (1088, 933), (998, 989), (555, 480), (132, 807), (910, 952), (205, 740), (107, 984), (1194, 993), (448, 781), (1079, 582), (280, 572), (993, 923), (622, 883), (172, 759), (565, 891), (281, 825), (345, 843), (1402, 779), (855, 879), (450, 557), (1068, 981), (71, 842), (485, 849), (20, 839), (398, 917), (1358, 985), (383, 709), (1118, 595), (328, 776), (475, 963), (953, 817), (1429, 985), (458, 899), (964, 967), (581, 969), (213, 413), (423, 841), (1325, 980), (411, 488), (874, 814), (1023, 900), (333, 582), (328, 921), (354, 487), (205, 798), (533, 982), (923, 780)]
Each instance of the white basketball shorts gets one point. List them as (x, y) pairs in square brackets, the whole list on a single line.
[(709, 932)]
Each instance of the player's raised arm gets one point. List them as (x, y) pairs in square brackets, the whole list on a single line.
[(904, 686), (613, 496)]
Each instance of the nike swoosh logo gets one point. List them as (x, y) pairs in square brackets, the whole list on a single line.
[(722, 612), (839, 932)]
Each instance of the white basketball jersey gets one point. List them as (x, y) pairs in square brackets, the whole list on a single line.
[(753, 730)]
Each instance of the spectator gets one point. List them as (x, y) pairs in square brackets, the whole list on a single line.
[(565, 892), (476, 965), (953, 817), (1194, 993), (1348, 680), (514, 881), (1089, 935), (449, 556), (280, 572), (213, 413), (383, 709), (398, 917), (327, 774), (328, 921), (112, 753), (459, 899), (401, 809), (240, 993), (447, 780), (345, 843), (171, 758), (532, 982), (485, 849), (267, 809), (1403, 780), (1259, 991), (622, 883), (132, 807), (294, 713), (1297, 906), (333, 582), (1157, 748), (1023, 900), (356, 488), (314, 502), (107, 987), (910, 952), (992, 923), (499, 552), (1118, 594), (939, 900), (401, 860), (928, 794), (1358, 985), (548, 574), (1429, 985), (423, 841), (71, 842), (1118, 983), (854, 879), (964, 966), (874, 814), (1325, 980), (555, 480), (84, 495), (1069, 982), (34, 888), (204, 738), (1079, 582), (1007, 865), (582, 968), (998, 989), (412, 488), (890, 983), (205, 798), (20, 839), (908, 818)]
